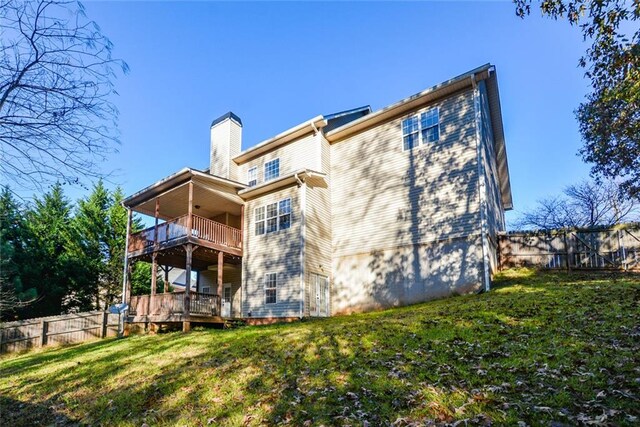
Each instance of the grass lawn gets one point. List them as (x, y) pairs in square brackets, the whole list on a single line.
[(541, 348)]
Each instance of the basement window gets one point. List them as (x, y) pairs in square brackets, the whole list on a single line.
[(272, 169), (270, 288), (252, 176)]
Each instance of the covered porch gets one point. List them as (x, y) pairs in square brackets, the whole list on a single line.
[(198, 228)]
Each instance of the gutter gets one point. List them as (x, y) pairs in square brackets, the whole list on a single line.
[(292, 178)]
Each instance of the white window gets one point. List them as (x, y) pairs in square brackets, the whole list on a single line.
[(252, 176), (410, 133), (272, 169), (206, 290), (284, 214), (259, 214), (273, 217), (426, 126), (430, 126), (270, 288)]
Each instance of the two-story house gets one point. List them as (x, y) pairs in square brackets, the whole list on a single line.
[(346, 212)]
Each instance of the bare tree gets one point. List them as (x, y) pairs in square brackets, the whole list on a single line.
[(56, 81), (583, 205)]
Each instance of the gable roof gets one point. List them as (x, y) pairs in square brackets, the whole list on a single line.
[(486, 72)]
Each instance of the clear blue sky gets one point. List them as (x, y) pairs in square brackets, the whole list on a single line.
[(277, 64)]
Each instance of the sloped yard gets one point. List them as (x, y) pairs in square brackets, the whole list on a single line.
[(539, 348)]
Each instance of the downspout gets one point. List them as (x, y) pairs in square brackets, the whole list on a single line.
[(303, 230), (481, 188), (126, 259), (122, 315)]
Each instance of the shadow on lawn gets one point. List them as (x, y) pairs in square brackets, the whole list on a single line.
[(17, 414), (424, 362)]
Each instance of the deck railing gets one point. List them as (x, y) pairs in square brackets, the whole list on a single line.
[(173, 303), (201, 228)]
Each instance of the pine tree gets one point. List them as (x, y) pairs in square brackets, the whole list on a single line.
[(14, 257), (91, 230), (57, 272)]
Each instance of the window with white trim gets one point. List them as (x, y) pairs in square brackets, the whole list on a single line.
[(273, 217), (206, 290), (259, 214), (272, 169), (252, 176), (410, 133), (270, 288), (430, 125), (425, 127), (284, 214)]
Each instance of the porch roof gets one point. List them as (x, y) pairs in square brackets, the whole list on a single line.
[(212, 195)]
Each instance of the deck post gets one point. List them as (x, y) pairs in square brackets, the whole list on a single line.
[(241, 225), (154, 273), (187, 281), (155, 228), (190, 211), (220, 278), (166, 279)]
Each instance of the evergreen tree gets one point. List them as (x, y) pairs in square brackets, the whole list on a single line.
[(91, 229), (14, 257), (56, 272)]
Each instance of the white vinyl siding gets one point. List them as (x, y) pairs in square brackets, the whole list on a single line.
[(407, 225), (278, 253), (295, 155)]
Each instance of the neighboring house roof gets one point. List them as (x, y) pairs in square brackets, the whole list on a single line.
[(366, 109)]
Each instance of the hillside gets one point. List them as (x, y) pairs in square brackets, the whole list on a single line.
[(536, 349)]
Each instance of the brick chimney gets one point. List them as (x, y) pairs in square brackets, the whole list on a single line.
[(226, 139)]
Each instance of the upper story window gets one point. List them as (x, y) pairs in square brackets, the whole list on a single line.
[(427, 125), (410, 133), (252, 176), (271, 169), (259, 214), (273, 217), (430, 125), (284, 214)]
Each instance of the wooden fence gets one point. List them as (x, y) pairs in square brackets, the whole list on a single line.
[(596, 249), (64, 329)]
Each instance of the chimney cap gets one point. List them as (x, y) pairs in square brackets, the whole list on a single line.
[(224, 117)]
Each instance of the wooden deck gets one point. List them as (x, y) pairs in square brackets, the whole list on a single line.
[(204, 232), (170, 308)]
